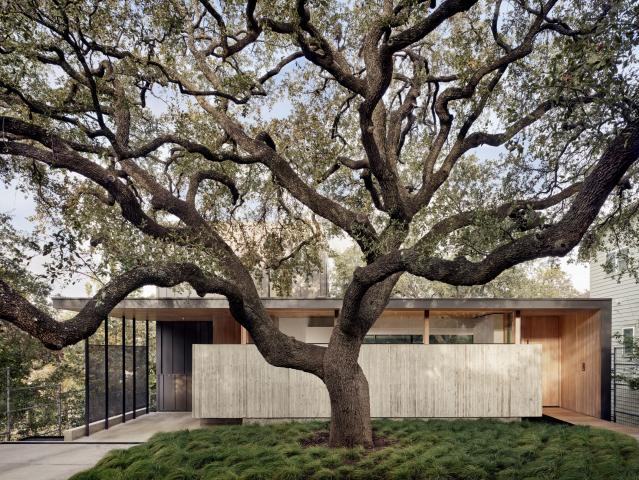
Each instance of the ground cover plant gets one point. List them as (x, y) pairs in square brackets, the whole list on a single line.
[(455, 450)]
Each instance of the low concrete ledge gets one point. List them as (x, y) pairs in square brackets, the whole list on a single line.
[(79, 432), (271, 421)]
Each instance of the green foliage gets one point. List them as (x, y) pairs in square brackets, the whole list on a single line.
[(446, 450), (16, 252), (299, 108), (628, 370), (535, 280), (29, 363)]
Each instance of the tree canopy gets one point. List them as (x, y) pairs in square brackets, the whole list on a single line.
[(450, 140), (537, 280)]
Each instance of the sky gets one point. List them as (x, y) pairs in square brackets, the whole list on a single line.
[(21, 208)]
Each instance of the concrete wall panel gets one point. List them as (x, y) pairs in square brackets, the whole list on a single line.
[(234, 381)]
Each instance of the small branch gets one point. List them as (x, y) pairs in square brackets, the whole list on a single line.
[(215, 175)]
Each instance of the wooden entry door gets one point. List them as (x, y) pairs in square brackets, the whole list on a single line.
[(545, 331)]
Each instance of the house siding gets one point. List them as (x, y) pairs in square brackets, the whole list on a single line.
[(623, 291)]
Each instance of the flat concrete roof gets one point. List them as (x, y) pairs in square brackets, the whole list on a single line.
[(197, 308)]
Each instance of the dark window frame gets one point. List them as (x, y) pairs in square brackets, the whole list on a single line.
[(378, 339), (470, 335)]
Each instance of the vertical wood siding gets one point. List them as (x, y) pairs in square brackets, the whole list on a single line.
[(544, 330), (581, 362), (226, 329)]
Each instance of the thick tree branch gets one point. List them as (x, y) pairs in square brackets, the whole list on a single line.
[(277, 348), (413, 34), (59, 155), (452, 223), (555, 240), (54, 334), (431, 179), (191, 147)]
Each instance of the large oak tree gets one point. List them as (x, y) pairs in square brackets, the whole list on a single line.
[(451, 140)]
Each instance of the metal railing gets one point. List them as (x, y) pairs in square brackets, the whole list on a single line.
[(46, 410), (625, 388), (42, 410)]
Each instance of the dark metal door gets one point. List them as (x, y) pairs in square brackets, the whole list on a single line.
[(174, 354)]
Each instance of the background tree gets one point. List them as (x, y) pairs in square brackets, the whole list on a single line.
[(18, 351), (28, 361), (149, 128), (542, 279)]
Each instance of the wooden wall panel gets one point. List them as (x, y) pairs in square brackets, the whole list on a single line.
[(544, 330), (226, 330), (581, 362), (422, 381)]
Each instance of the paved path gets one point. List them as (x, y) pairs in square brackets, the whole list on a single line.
[(144, 427), (575, 418), (51, 461), (60, 460)]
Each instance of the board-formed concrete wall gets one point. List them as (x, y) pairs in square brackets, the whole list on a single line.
[(498, 381)]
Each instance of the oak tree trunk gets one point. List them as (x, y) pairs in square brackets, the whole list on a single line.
[(348, 391)]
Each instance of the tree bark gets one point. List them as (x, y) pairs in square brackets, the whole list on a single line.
[(348, 391)]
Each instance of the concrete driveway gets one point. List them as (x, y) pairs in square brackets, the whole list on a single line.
[(50, 461), (60, 460)]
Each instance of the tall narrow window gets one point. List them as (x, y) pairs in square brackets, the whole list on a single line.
[(617, 260), (622, 260), (628, 340)]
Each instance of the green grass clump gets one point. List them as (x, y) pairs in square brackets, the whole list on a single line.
[(417, 450)]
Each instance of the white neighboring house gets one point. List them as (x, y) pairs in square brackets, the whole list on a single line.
[(621, 287)]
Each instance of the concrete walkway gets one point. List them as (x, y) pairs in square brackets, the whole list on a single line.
[(144, 427), (60, 460), (51, 461)]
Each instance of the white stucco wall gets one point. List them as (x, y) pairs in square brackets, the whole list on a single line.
[(294, 327), (318, 334)]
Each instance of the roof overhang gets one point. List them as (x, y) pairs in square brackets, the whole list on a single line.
[(203, 308)]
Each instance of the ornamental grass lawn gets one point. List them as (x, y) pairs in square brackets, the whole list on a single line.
[(459, 450)]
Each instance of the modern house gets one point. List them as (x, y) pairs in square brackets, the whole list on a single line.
[(424, 358)]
